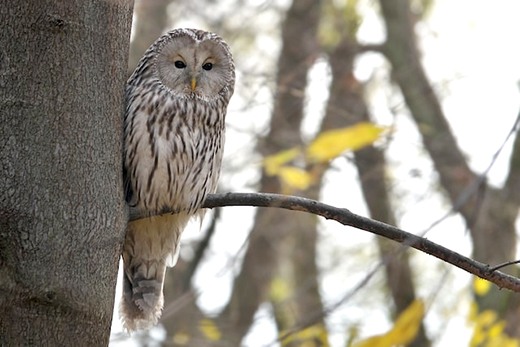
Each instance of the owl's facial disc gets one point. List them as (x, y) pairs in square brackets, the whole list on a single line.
[(193, 68)]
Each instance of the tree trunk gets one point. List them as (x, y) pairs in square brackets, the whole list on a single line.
[(282, 244), (347, 107), (62, 213), (151, 21)]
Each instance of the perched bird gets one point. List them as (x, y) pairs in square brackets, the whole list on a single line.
[(176, 103)]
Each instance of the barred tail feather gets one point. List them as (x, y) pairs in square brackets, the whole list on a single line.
[(143, 300), (150, 245)]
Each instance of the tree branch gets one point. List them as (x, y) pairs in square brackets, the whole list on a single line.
[(512, 184), (345, 217)]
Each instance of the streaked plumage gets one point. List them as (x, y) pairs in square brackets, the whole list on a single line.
[(174, 135)]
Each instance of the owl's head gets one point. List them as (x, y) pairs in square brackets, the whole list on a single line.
[(194, 63)]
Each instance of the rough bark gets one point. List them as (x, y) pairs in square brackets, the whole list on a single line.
[(62, 214), (489, 213)]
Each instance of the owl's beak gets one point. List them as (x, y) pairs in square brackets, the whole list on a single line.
[(193, 83)]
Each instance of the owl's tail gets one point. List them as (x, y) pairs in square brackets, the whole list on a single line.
[(150, 245), (143, 300)]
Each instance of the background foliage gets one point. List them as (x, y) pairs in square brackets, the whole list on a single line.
[(393, 109)]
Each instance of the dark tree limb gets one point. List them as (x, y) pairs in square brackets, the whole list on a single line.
[(345, 217)]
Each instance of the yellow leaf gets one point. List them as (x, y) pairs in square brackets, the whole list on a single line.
[(483, 321), (181, 338), (209, 329), (273, 162), (404, 331), (473, 312), (280, 289), (330, 144), (481, 286), (407, 324), (508, 342), (478, 337), (374, 341), (496, 329), (489, 330), (486, 318), (502, 342), (307, 337), (295, 177)]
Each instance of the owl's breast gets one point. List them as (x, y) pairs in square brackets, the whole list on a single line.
[(176, 157)]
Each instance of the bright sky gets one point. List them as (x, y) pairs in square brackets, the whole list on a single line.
[(471, 55)]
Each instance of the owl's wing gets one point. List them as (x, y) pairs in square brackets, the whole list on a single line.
[(127, 186)]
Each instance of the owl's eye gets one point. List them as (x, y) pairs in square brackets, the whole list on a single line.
[(207, 66), (179, 64)]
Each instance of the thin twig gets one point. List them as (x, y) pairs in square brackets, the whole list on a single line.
[(499, 266)]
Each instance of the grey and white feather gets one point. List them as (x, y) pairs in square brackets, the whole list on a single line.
[(176, 102)]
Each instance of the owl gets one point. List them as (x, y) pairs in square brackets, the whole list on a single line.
[(176, 103)]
